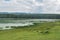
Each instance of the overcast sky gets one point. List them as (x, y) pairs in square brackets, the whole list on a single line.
[(30, 6)]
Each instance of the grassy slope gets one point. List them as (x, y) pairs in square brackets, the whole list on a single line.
[(32, 33)]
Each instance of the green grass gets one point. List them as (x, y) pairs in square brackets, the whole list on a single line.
[(35, 32)]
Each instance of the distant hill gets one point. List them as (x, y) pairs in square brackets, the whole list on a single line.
[(29, 16)]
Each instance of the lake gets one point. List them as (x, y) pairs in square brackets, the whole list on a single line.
[(13, 20), (6, 23)]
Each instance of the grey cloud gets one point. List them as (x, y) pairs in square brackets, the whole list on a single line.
[(51, 6), (15, 6)]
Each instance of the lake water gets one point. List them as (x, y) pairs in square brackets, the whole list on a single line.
[(12, 20), (6, 22), (9, 25)]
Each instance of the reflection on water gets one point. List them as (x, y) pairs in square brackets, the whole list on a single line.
[(7, 23), (11, 20)]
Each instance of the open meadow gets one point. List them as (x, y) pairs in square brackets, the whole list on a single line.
[(39, 31)]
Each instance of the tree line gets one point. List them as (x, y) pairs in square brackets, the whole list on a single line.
[(30, 16)]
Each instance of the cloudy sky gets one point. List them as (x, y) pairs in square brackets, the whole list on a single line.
[(30, 6)]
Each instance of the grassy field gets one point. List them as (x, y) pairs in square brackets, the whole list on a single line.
[(40, 31)]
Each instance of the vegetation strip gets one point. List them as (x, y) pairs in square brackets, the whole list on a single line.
[(39, 31)]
